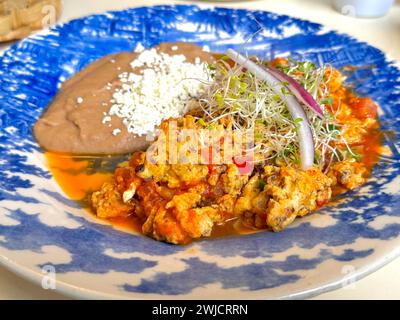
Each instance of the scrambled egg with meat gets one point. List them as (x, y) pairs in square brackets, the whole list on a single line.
[(181, 202), (272, 198), (278, 195)]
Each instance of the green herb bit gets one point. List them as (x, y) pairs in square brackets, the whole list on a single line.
[(284, 90), (258, 135), (354, 155), (211, 66), (261, 185), (328, 101), (202, 122), (332, 127)]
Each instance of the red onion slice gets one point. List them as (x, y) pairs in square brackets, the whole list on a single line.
[(296, 111), (296, 88)]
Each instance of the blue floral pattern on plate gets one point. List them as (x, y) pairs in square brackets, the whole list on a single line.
[(39, 226)]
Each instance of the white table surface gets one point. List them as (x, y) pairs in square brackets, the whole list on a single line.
[(383, 33)]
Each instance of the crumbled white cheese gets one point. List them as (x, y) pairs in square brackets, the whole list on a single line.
[(106, 119), (79, 100), (139, 48), (174, 48), (116, 132), (206, 48), (161, 91), (109, 86)]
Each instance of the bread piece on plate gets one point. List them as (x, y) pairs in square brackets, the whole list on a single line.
[(18, 18)]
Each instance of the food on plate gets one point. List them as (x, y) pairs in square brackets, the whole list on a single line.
[(233, 144)]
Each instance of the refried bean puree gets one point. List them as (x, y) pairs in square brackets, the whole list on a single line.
[(73, 127)]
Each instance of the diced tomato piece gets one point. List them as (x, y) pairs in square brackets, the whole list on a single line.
[(240, 163), (208, 158), (244, 164), (279, 62)]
